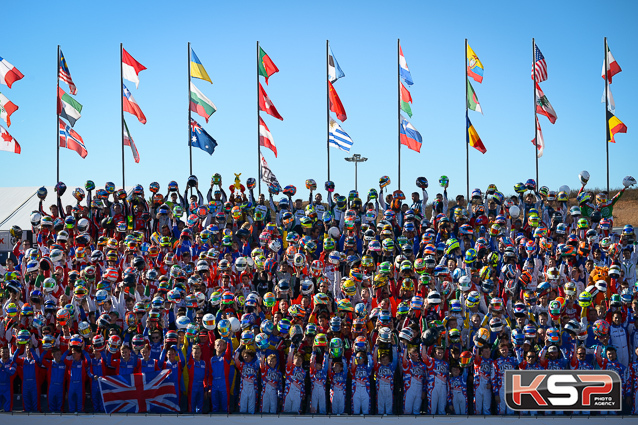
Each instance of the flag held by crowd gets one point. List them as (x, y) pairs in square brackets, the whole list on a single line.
[(128, 141), (615, 126), (141, 393), (612, 66), (543, 106), (409, 135), (200, 104), (65, 75), (71, 140), (201, 139), (266, 66), (540, 66), (9, 74), (267, 176), (474, 66), (7, 108), (406, 99), (540, 142), (68, 108), (131, 68), (472, 99), (266, 105), (404, 72), (473, 138), (338, 138), (335, 103), (265, 138), (197, 69), (131, 106), (7, 142), (334, 70)]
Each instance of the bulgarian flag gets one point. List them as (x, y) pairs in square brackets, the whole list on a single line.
[(406, 99), (472, 99), (7, 108), (200, 104), (266, 66), (615, 126), (612, 66), (265, 138)]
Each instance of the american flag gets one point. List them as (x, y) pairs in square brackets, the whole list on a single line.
[(142, 393), (540, 67), (65, 75)]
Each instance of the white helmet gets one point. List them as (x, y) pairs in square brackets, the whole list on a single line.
[(56, 255), (240, 264), (274, 245), (515, 211), (63, 236), (83, 225), (583, 177), (202, 265), (235, 326), (628, 181), (434, 298), (182, 322), (299, 260), (465, 283), (334, 233), (564, 188), (307, 287), (209, 321), (35, 218)]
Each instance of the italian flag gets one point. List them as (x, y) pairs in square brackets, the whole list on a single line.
[(406, 99), (612, 66), (200, 104), (266, 66)]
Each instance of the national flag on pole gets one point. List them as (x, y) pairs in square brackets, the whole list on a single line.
[(267, 176), (201, 139), (338, 138), (197, 69), (404, 72), (139, 393), (335, 103), (71, 140), (9, 74), (409, 135), (68, 108), (131, 68), (7, 108), (615, 126), (540, 66), (266, 105), (7, 142), (65, 75), (612, 66), (473, 138), (265, 138), (131, 106), (406, 99), (543, 106), (334, 70), (474, 66), (611, 104), (472, 99), (128, 141), (266, 66), (540, 144), (200, 104)]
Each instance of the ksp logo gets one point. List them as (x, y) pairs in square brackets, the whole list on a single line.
[(590, 390)]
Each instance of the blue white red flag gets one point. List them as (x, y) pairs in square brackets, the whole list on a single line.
[(403, 69), (409, 136), (201, 139), (65, 75), (131, 106), (70, 139), (141, 393), (540, 66)]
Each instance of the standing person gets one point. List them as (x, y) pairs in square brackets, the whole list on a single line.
[(172, 359), (219, 376), (295, 381), (504, 362), (457, 395), (246, 364), (98, 367), (7, 371), (197, 374), (28, 368), (338, 378), (483, 369), (319, 373), (437, 380), (271, 383), (385, 368), (612, 363), (413, 377), (361, 370), (56, 371), (77, 367)]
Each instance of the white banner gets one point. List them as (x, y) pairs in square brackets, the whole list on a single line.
[(267, 176)]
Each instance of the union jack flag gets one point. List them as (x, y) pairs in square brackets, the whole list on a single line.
[(142, 393)]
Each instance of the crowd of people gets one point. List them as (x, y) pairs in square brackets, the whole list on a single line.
[(386, 306)]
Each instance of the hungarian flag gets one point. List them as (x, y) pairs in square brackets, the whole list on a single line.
[(406, 99), (612, 66), (540, 142), (131, 68), (7, 142), (472, 99), (68, 108), (71, 140), (335, 103), (265, 138), (409, 135), (131, 106), (266, 66), (128, 141), (615, 126), (543, 106), (266, 105), (7, 108), (9, 74), (200, 104), (473, 138)]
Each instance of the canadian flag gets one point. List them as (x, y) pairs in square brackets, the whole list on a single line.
[(7, 142)]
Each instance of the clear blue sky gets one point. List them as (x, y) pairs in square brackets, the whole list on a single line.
[(363, 36)]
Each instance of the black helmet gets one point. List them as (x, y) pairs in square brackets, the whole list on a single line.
[(192, 181), (596, 216), (107, 223), (139, 263), (16, 232), (429, 337)]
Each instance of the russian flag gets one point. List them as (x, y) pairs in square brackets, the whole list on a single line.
[(9, 74), (131, 106), (410, 136)]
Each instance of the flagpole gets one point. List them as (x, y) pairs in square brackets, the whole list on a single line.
[(57, 116), (535, 117), (258, 144), (327, 109), (122, 115), (190, 146), (399, 111), (467, 144), (606, 109)]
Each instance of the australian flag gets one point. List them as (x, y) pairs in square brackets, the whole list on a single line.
[(201, 139), (141, 393)]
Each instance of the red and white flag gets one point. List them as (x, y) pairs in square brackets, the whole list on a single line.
[(7, 108), (9, 74), (540, 144), (543, 106), (131, 106), (265, 138), (7, 142), (70, 139), (612, 66), (131, 68), (128, 141), (266, 105), (540, 66)]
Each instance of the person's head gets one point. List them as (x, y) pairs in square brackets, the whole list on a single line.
[(146, 352), (57, 354), (125, 351), (616, 318), (297, 360), (611, 353), (531, 357), (553, 352), (486, 351), (4, 353), (385, 359), (76, 353), (476, 320), (455, 370), (337, 367), (413, 352), (172, 354), (220, 347), (197, 352), (439, 352), (504, 349), (248, 355), (271, 361), (581, 353)]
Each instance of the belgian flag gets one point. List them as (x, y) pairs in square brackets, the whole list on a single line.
[(615, 126)]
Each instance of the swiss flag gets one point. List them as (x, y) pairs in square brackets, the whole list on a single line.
[(266, 105)]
